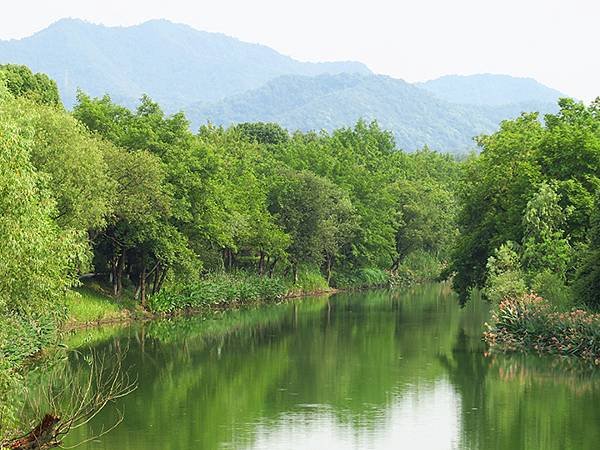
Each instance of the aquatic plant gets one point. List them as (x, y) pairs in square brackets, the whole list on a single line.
[(529, 322)]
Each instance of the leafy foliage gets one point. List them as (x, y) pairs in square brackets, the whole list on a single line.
[(533, 184)]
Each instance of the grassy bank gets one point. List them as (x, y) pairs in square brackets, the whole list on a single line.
[(530, 323), (90, 305)]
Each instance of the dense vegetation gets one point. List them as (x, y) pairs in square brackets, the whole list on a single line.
[(140, 205), (529, 223), (529, 207)]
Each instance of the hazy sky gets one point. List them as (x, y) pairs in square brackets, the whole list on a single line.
[(553, 41)]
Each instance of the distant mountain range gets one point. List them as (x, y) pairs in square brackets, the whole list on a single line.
[(216, 78), (175, 64), (490, 90), (415, 116)]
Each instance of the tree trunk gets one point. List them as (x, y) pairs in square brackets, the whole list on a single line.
[(295, 273), (156, 279), (228, 258), (113, 274), (272, 268), (143, 286), (163, 277), (43, 436), (119, 273), (261, 264), (231, 259)]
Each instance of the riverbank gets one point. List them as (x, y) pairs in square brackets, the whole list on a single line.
[(88, 307), (93, 305), (530, 323)]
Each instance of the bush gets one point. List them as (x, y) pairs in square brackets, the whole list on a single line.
[(24, 337), (587, 281), (552, 287), (418, 267), (504, 276), (361, 279), (505, 285), (531, 323), (218, 290), (309, 280)]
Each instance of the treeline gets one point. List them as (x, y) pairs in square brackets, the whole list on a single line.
[(530, 209), (529, 231), (136, 200)]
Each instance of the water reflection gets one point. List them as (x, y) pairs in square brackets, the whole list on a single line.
[(370, 370)]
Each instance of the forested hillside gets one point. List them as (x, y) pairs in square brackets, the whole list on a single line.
[(416, 117), (173, 63), (490, 90)]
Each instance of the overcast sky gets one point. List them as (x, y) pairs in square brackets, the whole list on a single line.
[(553, 41)]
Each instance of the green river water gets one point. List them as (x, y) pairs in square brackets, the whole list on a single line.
[(371, 370)]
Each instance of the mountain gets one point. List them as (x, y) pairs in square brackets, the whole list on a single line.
[(175, 64), (220, 79), (415, 116), (490, 90)]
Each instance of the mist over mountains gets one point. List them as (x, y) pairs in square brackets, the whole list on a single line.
[(216, 78)]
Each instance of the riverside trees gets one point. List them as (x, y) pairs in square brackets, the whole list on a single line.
[(534, 187), (149, 202)]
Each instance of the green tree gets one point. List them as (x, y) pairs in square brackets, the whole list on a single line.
[(493, 194), (263, 133), (544, 244), (38, 260), (311, 210), (22, 82), (72, 160), (587, 280)]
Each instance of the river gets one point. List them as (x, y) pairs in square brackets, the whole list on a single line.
[(371, 370)]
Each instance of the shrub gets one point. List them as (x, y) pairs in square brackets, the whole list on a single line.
[(418, 267), (504, 276), (309, 280), (587, 282), (218, 290), (361, 279), (529, 322), (505, 285), (552, 287)]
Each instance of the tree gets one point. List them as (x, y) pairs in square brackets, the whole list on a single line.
[(263, 133), (311, 210), (493, 194), (22, 82), (428, 219), (72, 161), (38, 260), (569, 156), (544, 244)]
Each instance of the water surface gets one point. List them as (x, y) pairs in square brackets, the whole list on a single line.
[(374, 370)]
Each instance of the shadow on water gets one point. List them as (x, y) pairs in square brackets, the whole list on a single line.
[(358, 370)]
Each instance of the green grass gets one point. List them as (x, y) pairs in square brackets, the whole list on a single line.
[(89, 304), (308, 281)]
